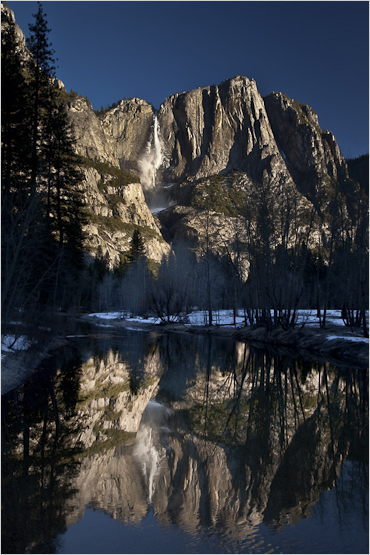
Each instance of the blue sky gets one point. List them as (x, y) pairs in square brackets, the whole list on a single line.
[(315, 52)]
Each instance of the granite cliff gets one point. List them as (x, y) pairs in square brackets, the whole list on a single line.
[(227, 130), (214, 130), (114, 200), (270, 144)]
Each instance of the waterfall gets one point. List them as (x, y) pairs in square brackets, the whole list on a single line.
[(152, 158), (148, 451)]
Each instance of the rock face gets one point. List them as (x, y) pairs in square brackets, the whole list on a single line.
[(117, 138), (274, 142), (115, 213), (311, 154), (127, 128), (218, 128), (91, 141), (114, 141), (6, 12)]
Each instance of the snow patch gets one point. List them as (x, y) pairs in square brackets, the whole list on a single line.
[(10, 344), (107, 315), (348, 338)]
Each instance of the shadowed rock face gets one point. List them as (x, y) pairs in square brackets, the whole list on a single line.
[(311, 154)]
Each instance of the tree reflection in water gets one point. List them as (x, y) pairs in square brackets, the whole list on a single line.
[(283, 426), (39, 456), (255, 437)]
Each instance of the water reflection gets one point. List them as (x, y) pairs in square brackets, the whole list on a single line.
[(149, 450), (212, 434)]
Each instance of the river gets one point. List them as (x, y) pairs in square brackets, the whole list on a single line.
[(133, 442)]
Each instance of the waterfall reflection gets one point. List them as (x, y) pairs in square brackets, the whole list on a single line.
[(209, 432), (149, 450)]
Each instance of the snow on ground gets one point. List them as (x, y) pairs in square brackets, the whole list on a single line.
[(348, 338), (221, 317), (196, 318), (22, 343), (108, 315), (225, 318)]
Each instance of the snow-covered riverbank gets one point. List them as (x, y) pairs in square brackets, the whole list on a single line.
[(225, 318), (336, 342)]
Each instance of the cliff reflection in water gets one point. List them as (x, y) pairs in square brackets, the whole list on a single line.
[(235, 437)]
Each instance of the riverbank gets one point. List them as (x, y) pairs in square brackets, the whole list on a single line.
[(18, 365), (336, 343)]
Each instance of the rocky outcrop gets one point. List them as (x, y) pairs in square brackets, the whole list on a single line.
[(127, 129), (113, 142), (312, 154), (6, 13), (22, 49), (115, 212), (118, 137), (90, 139)]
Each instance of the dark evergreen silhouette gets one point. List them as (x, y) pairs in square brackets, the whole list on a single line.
[(137, 246), (42, 211)]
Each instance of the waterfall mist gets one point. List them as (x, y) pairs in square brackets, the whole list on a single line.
[(153, 160)]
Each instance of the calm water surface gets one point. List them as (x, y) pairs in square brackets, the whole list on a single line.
[(128, 442)]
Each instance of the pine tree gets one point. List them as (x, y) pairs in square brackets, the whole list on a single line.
[(42, 72), (54, 164), (42, 240), (137, 247), (15, 120), (64, 202), (19, 206)]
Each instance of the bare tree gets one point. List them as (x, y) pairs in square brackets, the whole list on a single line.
[(169, 295)]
